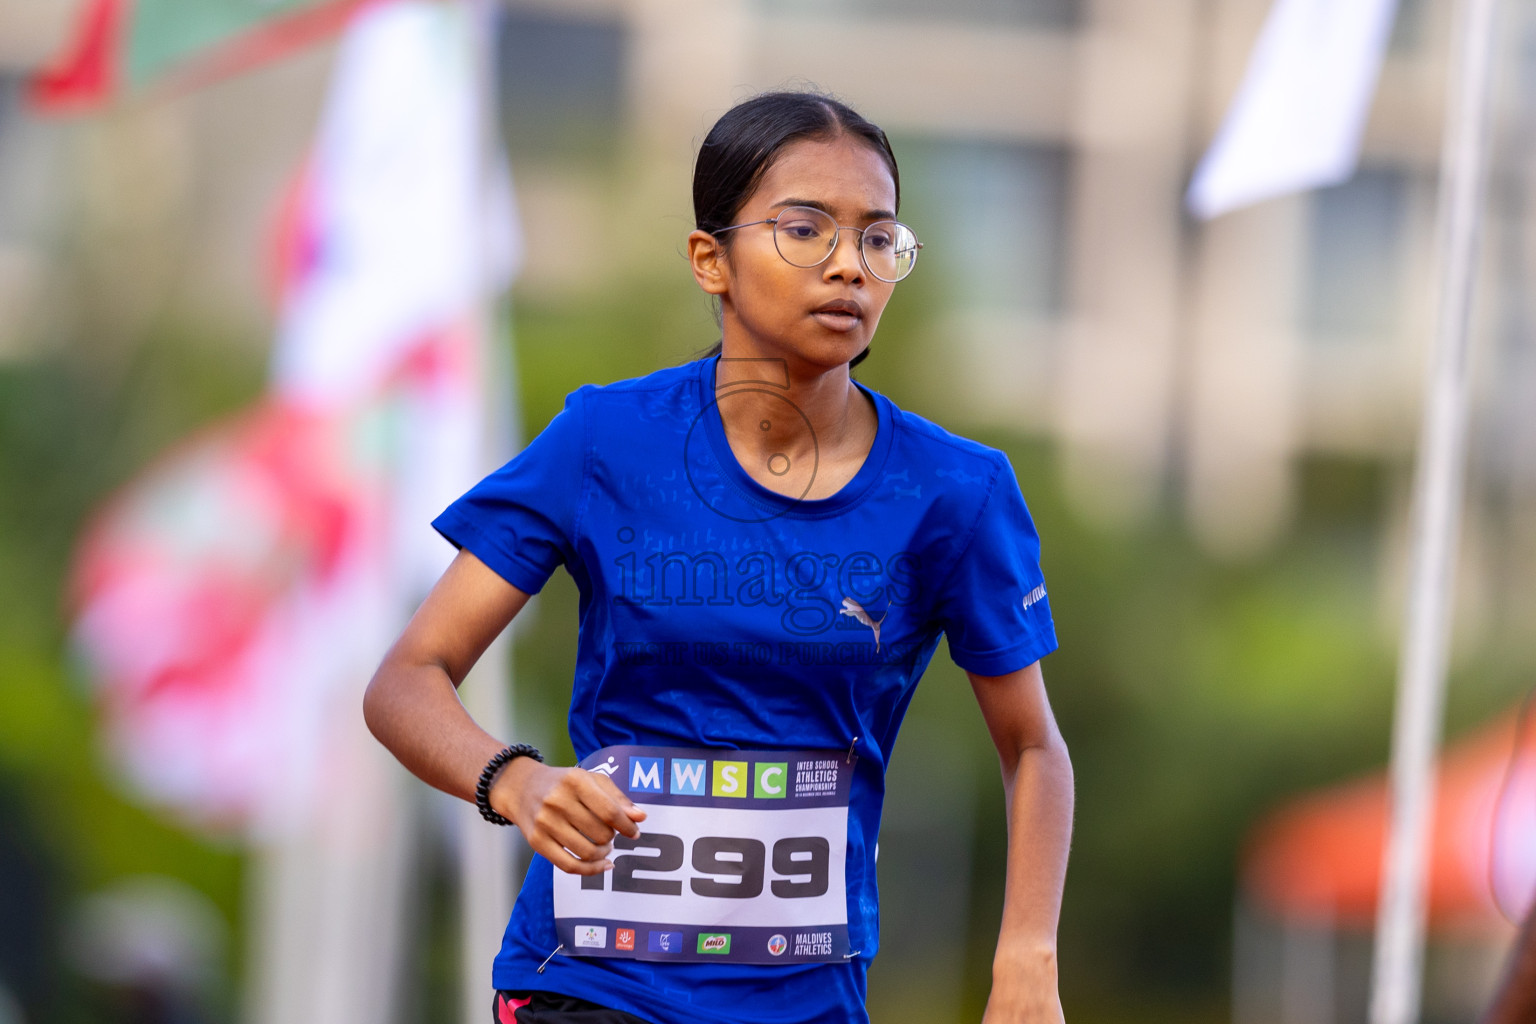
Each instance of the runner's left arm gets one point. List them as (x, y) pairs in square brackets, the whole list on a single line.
[(1037, 784)]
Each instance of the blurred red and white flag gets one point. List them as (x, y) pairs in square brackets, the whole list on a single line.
[(189, 588), (1298, 116), (126, 45), (232, 602), (403, 223)]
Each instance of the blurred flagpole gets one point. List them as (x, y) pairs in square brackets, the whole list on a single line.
[(1296, 124), (390, 320), (1397, 975), (487, 855)]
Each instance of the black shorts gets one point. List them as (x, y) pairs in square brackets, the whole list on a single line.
[(553, 1008)]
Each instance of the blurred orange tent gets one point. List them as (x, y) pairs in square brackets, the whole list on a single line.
[(1317, 860)]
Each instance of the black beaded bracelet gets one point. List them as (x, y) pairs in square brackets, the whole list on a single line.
[(483, 788)]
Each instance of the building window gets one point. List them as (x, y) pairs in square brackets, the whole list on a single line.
[(995, 213), (1355, 257), (1409, 27), (560, 82), (1052, 14), (19, 163)]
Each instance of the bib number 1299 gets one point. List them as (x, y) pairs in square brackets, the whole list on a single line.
[(725, 867)]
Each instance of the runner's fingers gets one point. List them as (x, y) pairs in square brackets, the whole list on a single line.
[(565, 861), (625, 820), (569, 837), (616, 810), (596, 806), (591, 826)]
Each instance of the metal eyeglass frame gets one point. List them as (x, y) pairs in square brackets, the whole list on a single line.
[(833, 247)]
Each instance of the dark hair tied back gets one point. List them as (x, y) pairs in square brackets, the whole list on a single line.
[(739, 148)]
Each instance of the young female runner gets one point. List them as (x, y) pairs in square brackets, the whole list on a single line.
[(767, 553)]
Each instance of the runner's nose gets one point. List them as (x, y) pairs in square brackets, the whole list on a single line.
[(845, 263)]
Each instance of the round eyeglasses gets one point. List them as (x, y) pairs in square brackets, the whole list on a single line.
[(806, 236)]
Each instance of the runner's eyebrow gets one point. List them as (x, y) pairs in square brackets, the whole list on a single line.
[(817, 204)]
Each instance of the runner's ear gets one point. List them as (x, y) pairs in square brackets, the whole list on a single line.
[(707, 257)]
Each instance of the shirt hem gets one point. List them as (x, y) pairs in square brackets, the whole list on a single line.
[(1002, 662), (464, 536)]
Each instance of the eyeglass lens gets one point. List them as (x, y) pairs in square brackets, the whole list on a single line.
[(806, 236)]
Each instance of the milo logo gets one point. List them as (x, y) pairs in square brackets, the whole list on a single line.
[(714, 943)]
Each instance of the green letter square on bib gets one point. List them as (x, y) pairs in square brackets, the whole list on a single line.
[(770, 779)]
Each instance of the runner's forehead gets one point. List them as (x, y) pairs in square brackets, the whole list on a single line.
[(846, 178)]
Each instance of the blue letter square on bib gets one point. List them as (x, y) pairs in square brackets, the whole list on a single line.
[(688, 776), (645, 774)]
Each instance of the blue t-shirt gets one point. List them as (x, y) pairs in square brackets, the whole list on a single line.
[(713, 615)]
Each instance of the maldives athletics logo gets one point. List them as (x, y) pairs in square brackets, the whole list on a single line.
[(777, 944)]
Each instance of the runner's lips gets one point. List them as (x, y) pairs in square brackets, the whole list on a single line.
[(841, 306)]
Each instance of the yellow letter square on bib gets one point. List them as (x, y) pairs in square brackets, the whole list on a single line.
[(730, 779)]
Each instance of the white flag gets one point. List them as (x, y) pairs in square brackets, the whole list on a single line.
[(411, 232), (1297, 119), (412, 225)]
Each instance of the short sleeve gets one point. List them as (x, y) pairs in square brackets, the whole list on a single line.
[(993, 607), (521, 520)]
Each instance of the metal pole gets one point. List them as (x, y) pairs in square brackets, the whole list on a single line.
[(1399, 954), (487, 855)]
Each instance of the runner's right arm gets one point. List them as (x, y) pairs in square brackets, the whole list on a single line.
[(412, 707)]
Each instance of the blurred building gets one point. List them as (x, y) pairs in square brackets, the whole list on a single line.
[(1045, 147)]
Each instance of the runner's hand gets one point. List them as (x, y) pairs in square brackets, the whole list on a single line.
[(567, 815), (1043, 1008), (1023, 987)]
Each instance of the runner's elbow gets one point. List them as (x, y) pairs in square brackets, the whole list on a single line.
[(380, 698)]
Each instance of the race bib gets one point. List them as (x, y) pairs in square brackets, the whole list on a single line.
[(741, 859)]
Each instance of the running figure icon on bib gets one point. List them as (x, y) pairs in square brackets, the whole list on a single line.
[(742, 859)]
